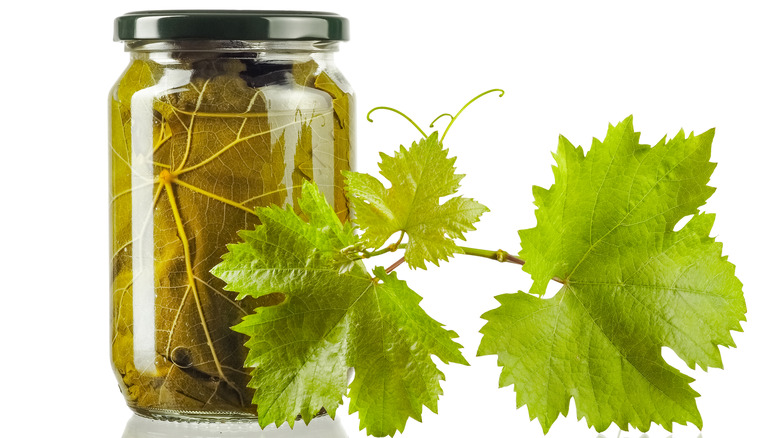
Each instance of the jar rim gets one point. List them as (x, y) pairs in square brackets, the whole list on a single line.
[(223, 24), (228, 46)]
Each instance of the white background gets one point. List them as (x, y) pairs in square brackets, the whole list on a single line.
[(567, 67)]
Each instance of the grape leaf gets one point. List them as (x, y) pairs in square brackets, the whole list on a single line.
[(631, 286), (301, 349), (420, 176)]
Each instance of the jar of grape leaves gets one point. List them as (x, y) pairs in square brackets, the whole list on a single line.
[(217, 113)]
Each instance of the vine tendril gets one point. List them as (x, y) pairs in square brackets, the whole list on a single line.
[(440, 116), (466, 106), (368, 116), (452, 118)]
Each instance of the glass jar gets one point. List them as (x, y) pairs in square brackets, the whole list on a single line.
[(218, 112)]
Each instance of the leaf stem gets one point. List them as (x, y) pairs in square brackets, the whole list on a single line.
[(369, 254), (397, 244), (389, 248), (397, 263)]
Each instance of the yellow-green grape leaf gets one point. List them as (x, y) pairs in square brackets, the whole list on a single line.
[(420, 177), (327, 321), (631, 285)]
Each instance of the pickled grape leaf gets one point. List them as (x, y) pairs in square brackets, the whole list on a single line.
[(217, 154), (342, 130), (302, 348), (305, 170), (631, 285), (199, 359), (420, 176)]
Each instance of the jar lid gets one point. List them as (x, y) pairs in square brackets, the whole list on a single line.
[(231, 25)]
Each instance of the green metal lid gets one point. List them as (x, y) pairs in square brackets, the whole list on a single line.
[(231, 25)]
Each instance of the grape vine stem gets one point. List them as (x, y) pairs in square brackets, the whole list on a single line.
[(498, 255), (397, 263)]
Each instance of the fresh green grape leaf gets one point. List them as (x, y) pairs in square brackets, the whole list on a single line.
[(420, 177), (328, 321), (631, 285)]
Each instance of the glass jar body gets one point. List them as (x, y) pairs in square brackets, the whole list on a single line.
[(202, 133)]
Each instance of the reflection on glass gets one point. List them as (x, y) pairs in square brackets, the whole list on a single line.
[(622, 434), (320, 427)]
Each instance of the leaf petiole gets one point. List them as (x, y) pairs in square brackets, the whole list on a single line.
[(389, 248), (397, 244), (397, 263)]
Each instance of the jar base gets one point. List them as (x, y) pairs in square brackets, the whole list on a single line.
[(203, 417), (195, 416)]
